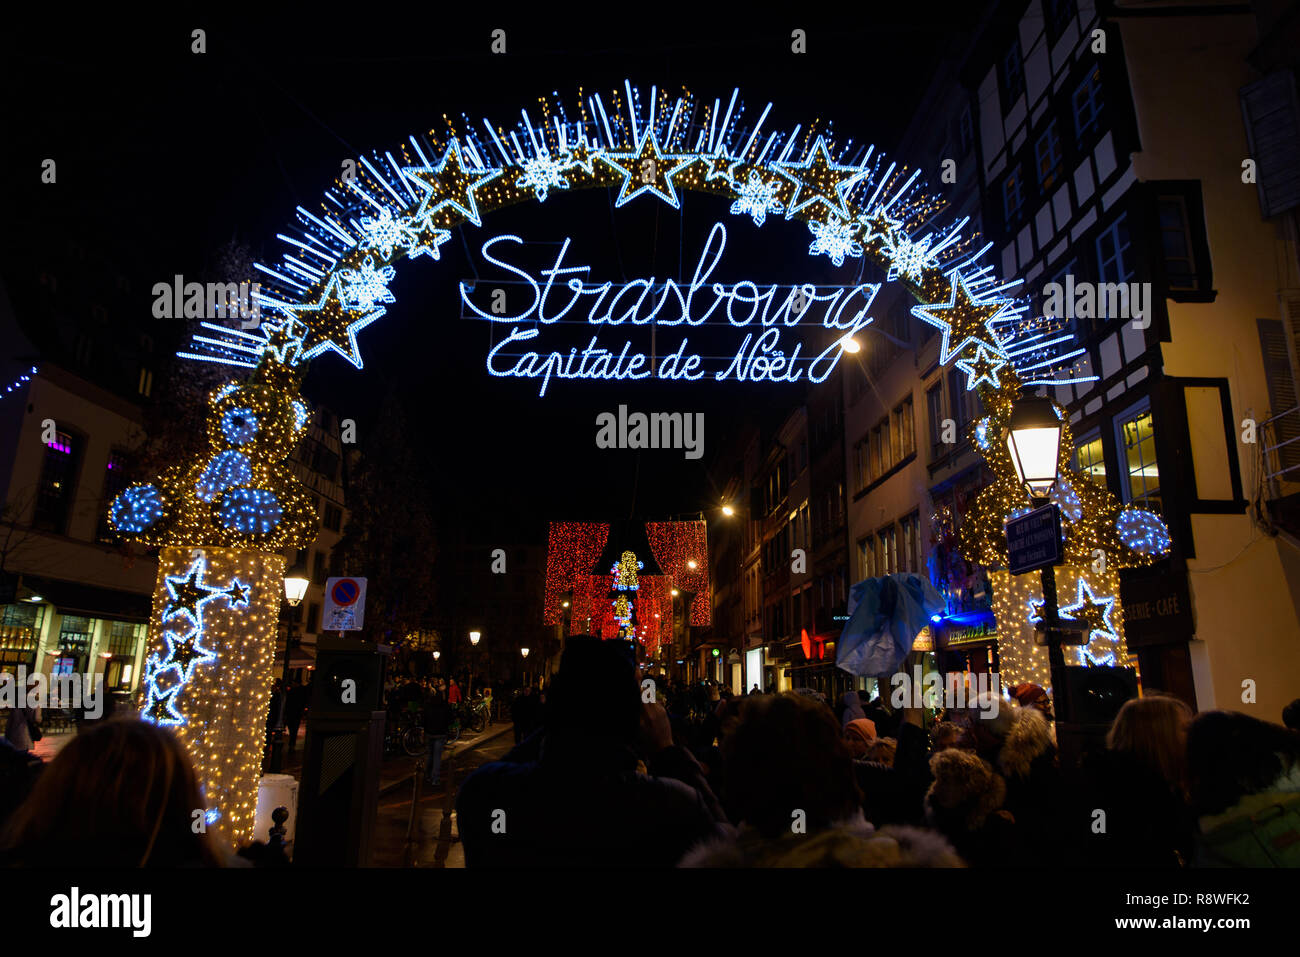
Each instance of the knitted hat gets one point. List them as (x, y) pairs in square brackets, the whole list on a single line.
[(1027, 693)]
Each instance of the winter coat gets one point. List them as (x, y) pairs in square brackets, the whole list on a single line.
[(849, 843), (437, 715), (1260, 830), (1035, 795), (893, 795), (1148, 824), (583, 804)]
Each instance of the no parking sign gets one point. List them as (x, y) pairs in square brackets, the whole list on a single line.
[(345, 604)]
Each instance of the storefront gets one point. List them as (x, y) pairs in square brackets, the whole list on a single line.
[(1158, 625), (60, 627), (22, 626), (966, 643)]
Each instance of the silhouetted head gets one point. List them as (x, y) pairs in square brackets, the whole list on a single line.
[(1231, 755), (1153, 729), (785, 755), (122, 793), (595, 691)]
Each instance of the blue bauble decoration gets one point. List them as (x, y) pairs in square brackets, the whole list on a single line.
[(136, 508), (254, 511)]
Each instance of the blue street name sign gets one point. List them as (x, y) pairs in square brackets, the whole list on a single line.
[(1034, 540)]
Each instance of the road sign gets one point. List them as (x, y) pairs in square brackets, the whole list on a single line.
[(345, 604), (1034, 540)]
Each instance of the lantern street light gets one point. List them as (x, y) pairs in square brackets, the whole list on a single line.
[(295, 589), (474, 637), (1034, 442)]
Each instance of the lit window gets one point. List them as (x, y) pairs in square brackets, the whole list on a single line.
[(1138, 455), (1047, 155), (1090, 461)]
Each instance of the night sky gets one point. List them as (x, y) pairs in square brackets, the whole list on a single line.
[(164, 155)]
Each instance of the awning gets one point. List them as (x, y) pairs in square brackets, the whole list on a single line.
[(74, 598)]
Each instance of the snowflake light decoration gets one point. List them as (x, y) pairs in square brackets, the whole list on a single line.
[(386, 232), (908, 259), (834, 239), (542, 173), (366, 286), (757, 198)]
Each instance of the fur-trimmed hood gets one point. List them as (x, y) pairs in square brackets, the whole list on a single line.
[(1029, 738), (852, 842)]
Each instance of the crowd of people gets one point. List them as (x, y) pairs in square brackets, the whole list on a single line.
[(699, 777), (608, 771)]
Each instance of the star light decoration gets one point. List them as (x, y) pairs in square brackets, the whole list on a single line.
[(1095, 613), (332, 324), (187, 595), (964, 319), (819, 181), (651, 170), (450, 186), (982, 368)]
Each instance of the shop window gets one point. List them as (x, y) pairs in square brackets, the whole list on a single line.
[(122, 637), (20, 632), (75, 635)]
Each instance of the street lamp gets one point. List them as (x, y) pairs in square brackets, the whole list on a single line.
[(728, 511), (474, 637), (1034, 441), (295, 589)]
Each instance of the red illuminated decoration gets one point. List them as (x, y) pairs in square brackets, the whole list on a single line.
[(575, 548), (813, 647)]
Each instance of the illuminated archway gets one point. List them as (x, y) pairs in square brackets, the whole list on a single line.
[(224, 520)]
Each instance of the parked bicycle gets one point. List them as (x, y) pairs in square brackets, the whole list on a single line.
[(472, 717), (405, 733)]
